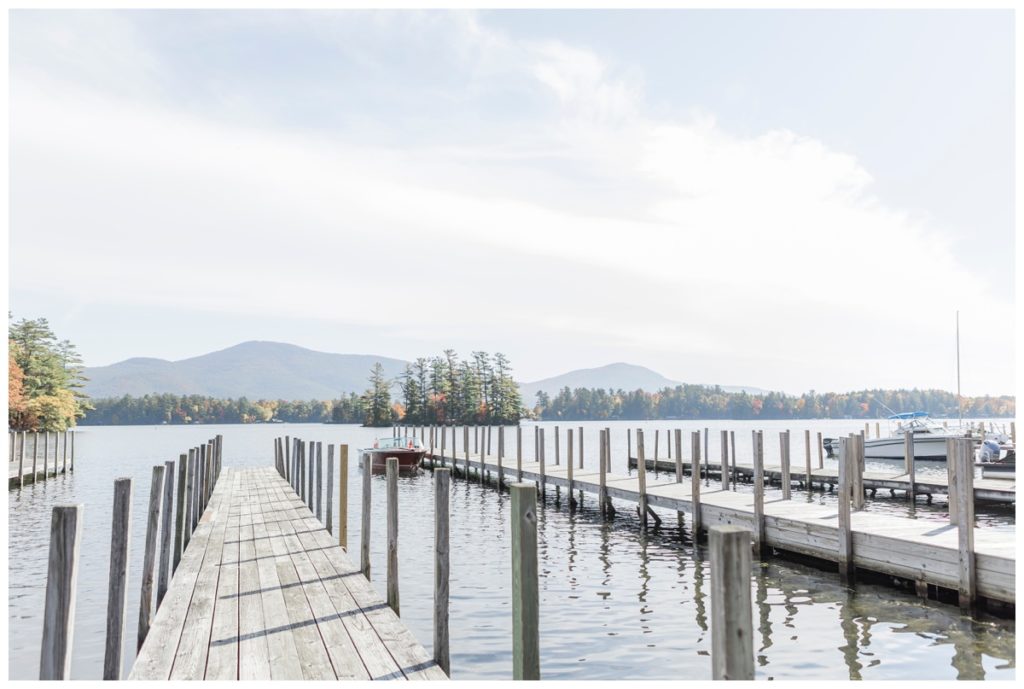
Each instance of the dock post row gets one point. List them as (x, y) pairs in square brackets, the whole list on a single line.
[(25, 465)]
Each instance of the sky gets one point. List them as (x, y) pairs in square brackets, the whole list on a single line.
[(786, 199)]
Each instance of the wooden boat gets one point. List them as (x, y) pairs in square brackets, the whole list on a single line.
[(407, 449)]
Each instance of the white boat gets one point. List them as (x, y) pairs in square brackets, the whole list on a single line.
[(929, 438)]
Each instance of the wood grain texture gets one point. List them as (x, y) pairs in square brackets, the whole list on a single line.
[(61, 585), (156, 486)]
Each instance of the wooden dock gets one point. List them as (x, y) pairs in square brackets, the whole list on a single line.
[(36, 456), (988, 490), (263, 591), (919, 551)]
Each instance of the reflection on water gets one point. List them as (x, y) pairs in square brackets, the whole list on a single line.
[(615, 603)]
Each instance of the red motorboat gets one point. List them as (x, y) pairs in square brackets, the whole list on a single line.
[(408, 450)]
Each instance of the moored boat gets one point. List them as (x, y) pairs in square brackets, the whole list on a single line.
[(408, 450), (929, 438)]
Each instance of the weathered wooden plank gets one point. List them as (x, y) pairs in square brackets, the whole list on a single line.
[(166, 533), (392, 526), (442, 564), (117, 587), (223, 657), (150, 558), (179, 513)]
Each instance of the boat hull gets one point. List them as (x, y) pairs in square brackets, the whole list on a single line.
[(925, 448), (407, 459)]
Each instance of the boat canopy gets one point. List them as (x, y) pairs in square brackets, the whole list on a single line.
[(909, 415)]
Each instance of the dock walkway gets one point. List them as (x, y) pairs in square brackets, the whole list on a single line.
[(986, 489), (263, 591), (915, 550)]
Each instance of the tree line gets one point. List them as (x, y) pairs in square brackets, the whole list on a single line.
[(707, 402), (44, 378)]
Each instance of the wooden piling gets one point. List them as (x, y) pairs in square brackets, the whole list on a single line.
[(501, 456), (732, 461), (392, 554), (61, 582), (908, 464), (329, 524), (759, 530), (569, 466), (847, 462), (952, 481), (525, 598), (519, 454), (679, 455), (64, 455), (807, 458), (21, 462), (558, 454), (967, 588), (46, 454), (821, 451), (117, 586), (179, 513), (543, 474), (629, 447), (35, 457), (343, 496), (149, 561), (190, 492), (442, 487), (724, 440), (602, 495), (288, 459), (444, 437), (465, 447), (73, 450), (784, 456), (732, 632), (707, 465), (655, 447), (166, 533), (857, 499), (364, 536), (319, 500), (641, 474), (695, 485), (579, 435)]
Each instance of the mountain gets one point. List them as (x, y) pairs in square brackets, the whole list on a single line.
[(615, 376), (267, 370)]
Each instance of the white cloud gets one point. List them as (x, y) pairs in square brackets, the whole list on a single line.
[(767, 254)]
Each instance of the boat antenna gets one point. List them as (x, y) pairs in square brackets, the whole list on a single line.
[(884, 406), (959, 400)]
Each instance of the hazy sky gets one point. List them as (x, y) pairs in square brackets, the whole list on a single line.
[(783, 199)]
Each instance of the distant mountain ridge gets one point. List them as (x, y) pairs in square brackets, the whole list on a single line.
[(617, 376), (257, 370), (276, 370)]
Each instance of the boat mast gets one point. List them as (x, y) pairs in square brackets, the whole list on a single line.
[(959, 400)]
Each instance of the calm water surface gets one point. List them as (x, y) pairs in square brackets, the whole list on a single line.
[(615, 603)]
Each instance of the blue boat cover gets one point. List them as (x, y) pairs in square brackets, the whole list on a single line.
[(909, 415)]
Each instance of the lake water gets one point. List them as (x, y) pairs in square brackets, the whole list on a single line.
[(615, 603)]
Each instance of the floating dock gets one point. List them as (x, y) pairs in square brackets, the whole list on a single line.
[(263, 591), (915, 550)]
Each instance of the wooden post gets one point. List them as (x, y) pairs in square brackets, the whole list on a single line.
[(655, 449), (330, 489), (857, 499), (629, 447), (46, 454), (442, 486), (732, 462), (724, 440), (489, 427), (847, 461), (569, 465), (679, 455), (602, 495), (166, 533), (364, 536), (967, 588), (878, 430), (220, 454), (21, 462), (190, 508), (200, 481), (908, 464), (64, 455), (807, 458), (117, 587), (61, 582), (319, 501), (759, 531), (543, 474), (287, 458), (558, 454), (311, 474), (707, 466), (579, 433), (641, 474), (72, 450), (149, 561), (519, 454), (821, 455), (867, 430), (525, 598), (343, 496), (392, 492), (465, 444), (179, 513), (784, 456), (695, 485), (444, 436), (732, 631), (501, 455), (952, 480), (35, 456)]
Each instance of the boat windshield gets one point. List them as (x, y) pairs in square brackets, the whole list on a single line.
[(400, 442)]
